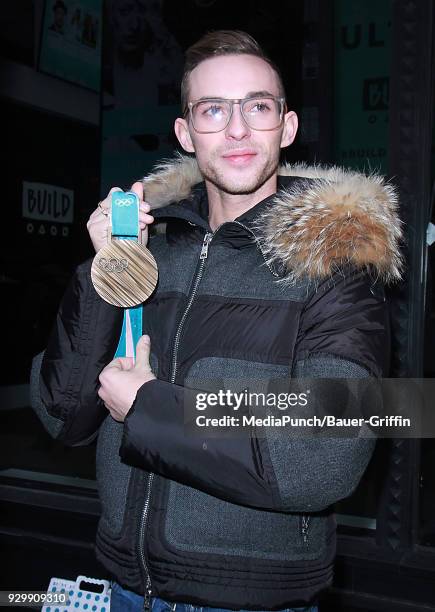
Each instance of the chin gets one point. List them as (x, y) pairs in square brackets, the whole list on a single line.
[(234, 188), (242, 182)]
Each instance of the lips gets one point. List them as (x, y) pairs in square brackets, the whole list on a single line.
[(239, 156)]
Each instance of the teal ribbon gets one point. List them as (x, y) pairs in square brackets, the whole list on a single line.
[(125, 226)]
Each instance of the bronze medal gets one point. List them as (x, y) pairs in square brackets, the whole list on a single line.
[(124, 273)]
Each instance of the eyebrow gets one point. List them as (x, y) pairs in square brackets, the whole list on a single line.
[(250, 94)]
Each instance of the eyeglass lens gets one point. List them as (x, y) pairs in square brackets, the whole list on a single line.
[(214, 115)]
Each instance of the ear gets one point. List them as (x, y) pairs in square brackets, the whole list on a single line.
[(181, 129), (290, 129)]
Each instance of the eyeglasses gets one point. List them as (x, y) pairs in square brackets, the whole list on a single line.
[(214, 114)]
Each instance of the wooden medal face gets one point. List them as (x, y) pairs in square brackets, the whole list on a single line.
[(124, 273)]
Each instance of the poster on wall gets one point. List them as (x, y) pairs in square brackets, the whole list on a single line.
[(143, 56), (362, 70), (142, 65), (70, 45)]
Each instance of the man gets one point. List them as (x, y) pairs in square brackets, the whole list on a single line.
[(260, 276), (131, 30), (59, 11), (145, 61)]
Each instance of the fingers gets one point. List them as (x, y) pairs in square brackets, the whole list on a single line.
[(137, 188), (144, 208), (97, 216), (99, 222), (105, 204), (144, 218), (113, 191), (100, 214)]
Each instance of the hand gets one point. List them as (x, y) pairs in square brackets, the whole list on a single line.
[(121, 379), (98, 223)]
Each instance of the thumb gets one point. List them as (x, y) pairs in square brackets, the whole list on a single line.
[(121, 363), (143, 348)]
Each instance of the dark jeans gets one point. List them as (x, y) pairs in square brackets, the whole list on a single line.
[(127, 601)]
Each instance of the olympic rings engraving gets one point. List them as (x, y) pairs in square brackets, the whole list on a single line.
[(113, 264)]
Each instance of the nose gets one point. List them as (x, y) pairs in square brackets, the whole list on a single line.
[(237, 128)]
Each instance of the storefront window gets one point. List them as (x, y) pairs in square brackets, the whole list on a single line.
[(52, 183)]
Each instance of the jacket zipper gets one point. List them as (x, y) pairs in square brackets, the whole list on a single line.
[(305, 523), (203, 256), (147, 592)]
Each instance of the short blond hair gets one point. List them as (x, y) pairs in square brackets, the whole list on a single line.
[(222, 42)]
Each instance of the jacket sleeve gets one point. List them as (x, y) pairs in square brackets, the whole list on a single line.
[(343, 334), (64, 379)]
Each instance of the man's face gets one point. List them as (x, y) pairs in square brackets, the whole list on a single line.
[(59, 17), (130, 25), (238, 159)]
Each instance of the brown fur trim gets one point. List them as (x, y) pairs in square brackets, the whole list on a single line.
[(314, 228), (343, 218), (171, 181)]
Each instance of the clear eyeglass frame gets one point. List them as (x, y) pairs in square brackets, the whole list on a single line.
[(233, 101)]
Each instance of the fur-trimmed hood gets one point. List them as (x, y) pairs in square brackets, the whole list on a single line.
[(334, 218)]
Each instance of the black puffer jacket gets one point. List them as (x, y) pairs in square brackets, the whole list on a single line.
[(286, 290)]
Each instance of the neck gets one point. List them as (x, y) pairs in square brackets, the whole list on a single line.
[(225, 206)]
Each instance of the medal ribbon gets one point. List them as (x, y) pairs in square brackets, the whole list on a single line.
[(125, 226)]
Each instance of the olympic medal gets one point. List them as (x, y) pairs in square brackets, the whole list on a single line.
[(124, 273)]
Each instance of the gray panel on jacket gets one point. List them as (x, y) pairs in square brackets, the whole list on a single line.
[(237, 530), (212, 368), (175, 266), (244, 274), (113, 476), (318, 456)]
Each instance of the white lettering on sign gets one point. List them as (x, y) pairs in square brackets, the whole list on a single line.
[(47, 203)]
